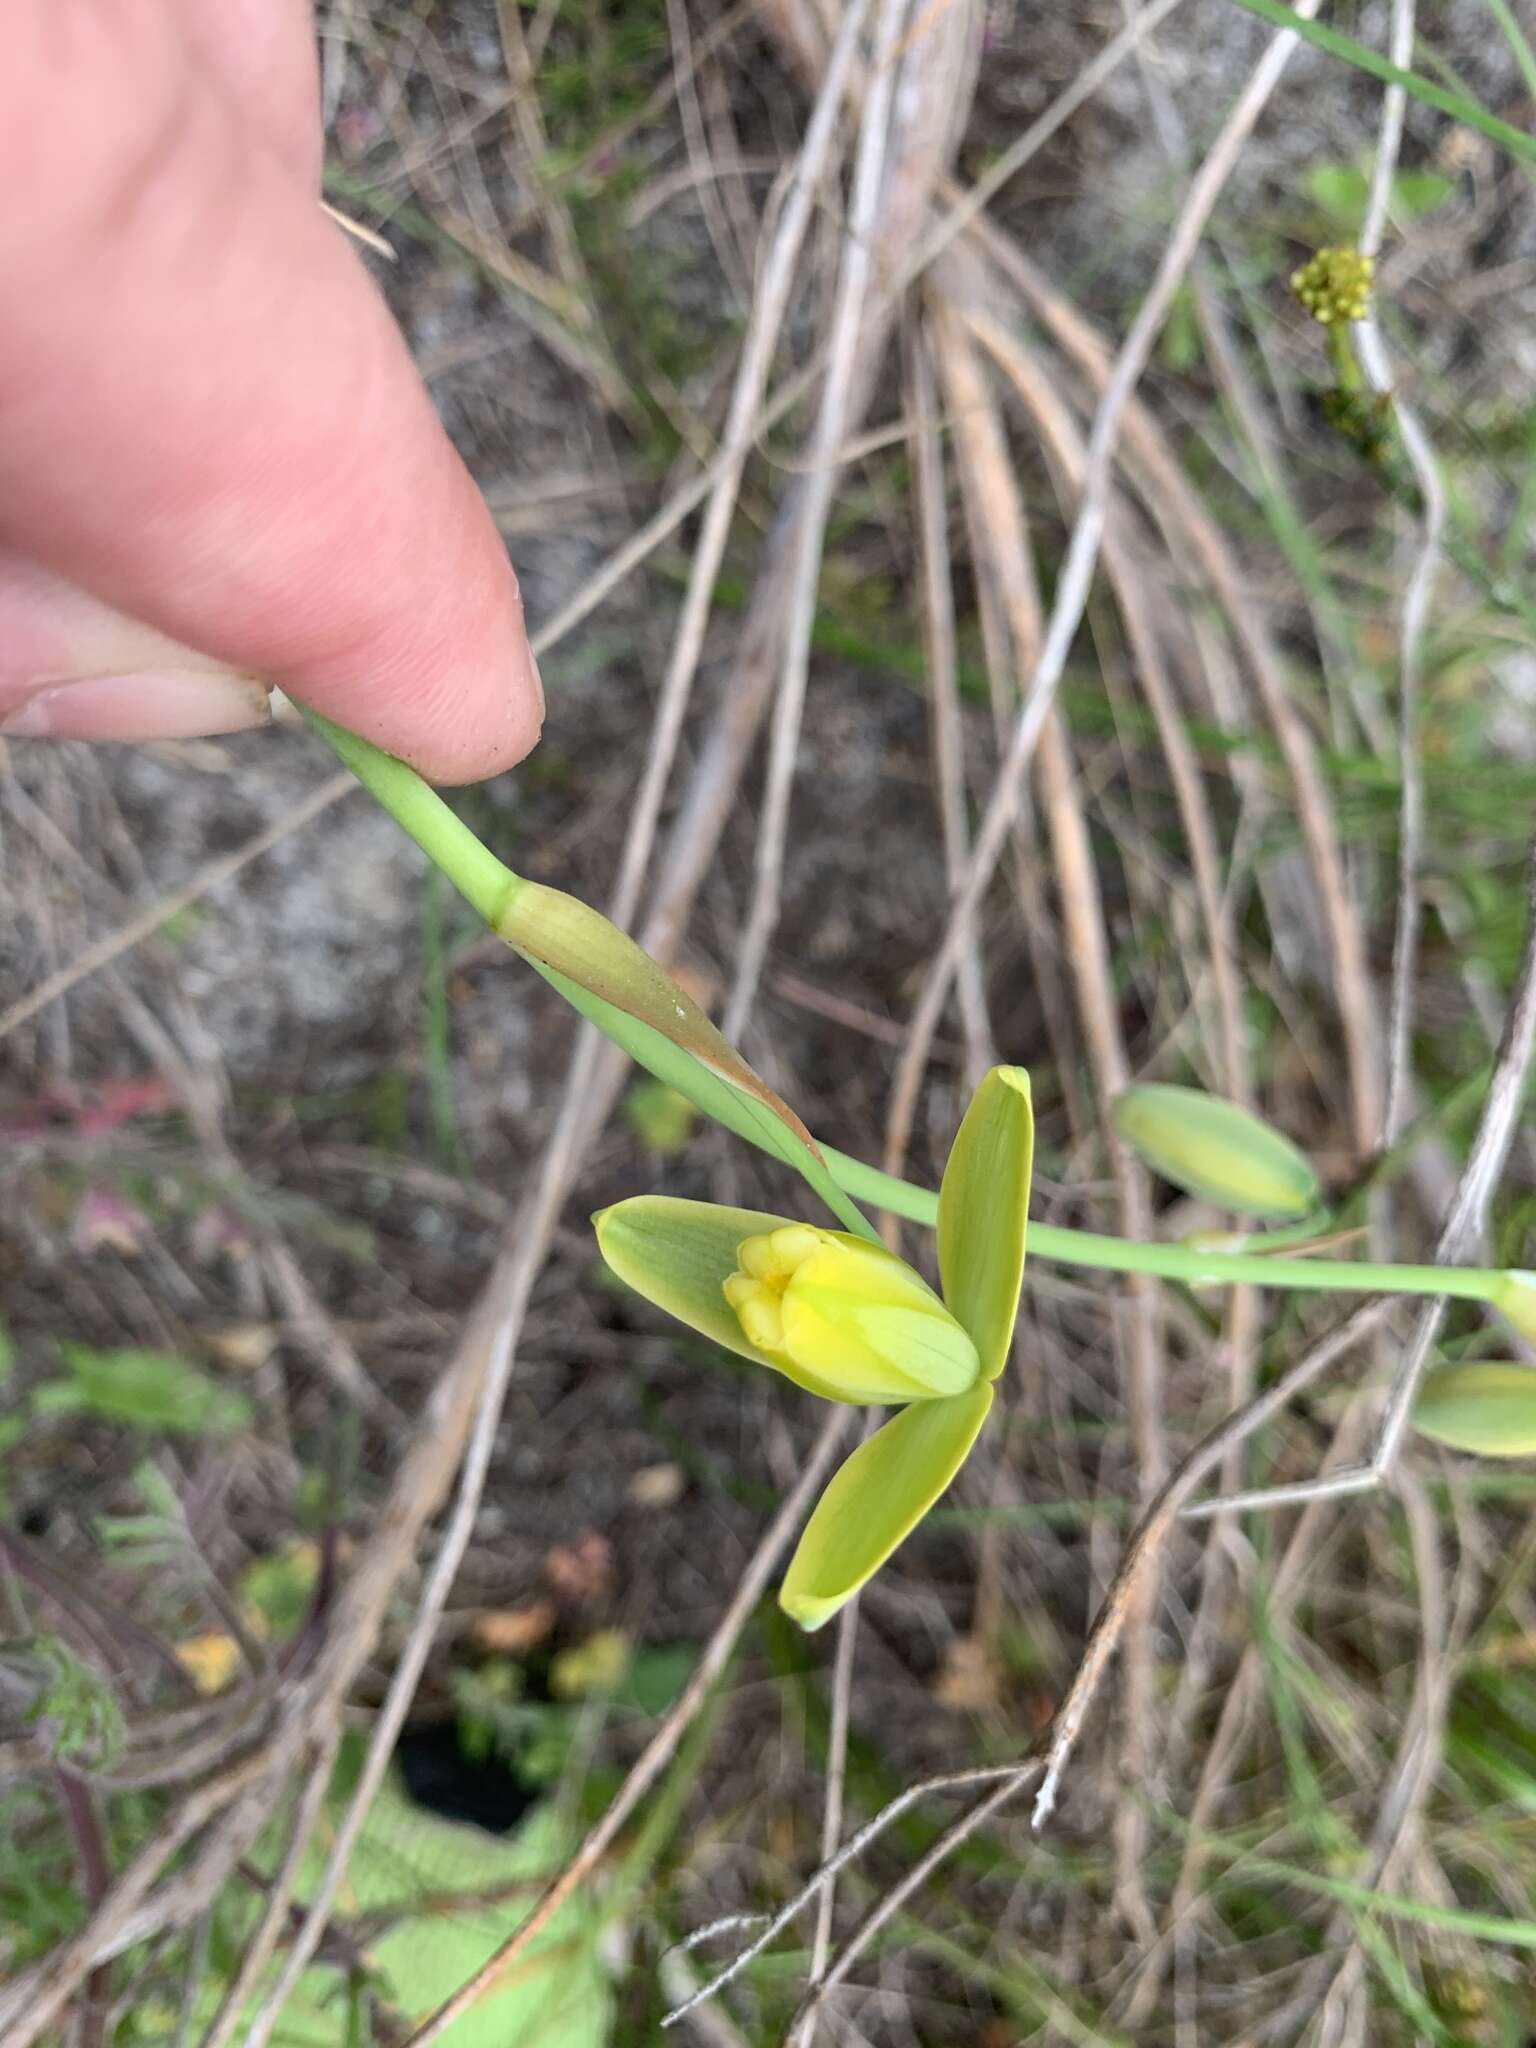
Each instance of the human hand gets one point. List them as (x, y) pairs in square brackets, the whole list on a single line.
[(219, 470)]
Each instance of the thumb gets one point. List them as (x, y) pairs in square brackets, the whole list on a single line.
[(208, 419)]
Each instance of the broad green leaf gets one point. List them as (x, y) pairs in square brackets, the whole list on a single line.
[(433, 1899), (617, 986), (679, 1255), (876, 1499), (1488, 1408), (984, 1213), (1341, 190), (148, 1388), (1213, 1148)]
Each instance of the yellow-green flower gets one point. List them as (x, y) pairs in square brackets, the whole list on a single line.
[(1335, 285), (847, 1320)]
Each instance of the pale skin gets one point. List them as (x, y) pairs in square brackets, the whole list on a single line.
[(219, 471)]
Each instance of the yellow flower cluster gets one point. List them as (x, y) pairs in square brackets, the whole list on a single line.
[(1335, 285)]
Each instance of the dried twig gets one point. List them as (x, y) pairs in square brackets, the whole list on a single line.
[(1463, 1227), (769, 307), (1194, 536), (659, 1749), (832, 1805), (1048, 1760), (1072, 588), (938, 611), (1418, 595), (824, 465)]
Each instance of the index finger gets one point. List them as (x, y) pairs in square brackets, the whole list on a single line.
[(208, 417)]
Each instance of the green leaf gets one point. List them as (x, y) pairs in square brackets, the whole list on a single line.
[(656, 1676), (1213, 1148), (1455, 104), (876, 1500), (984, 1213), (1488, 1408), (281, 1586), (147, 1388), (617, 986), (434, 1899), (660, 1118), (679, 1255), (1341, 191)]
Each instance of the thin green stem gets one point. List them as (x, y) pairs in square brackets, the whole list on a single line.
[(1175, 1261), (1519, 48), (415, 806), (1341, 354), (491, 888)]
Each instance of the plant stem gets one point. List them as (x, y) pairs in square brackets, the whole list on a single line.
[(1175, 1261), (1341, 354), (414, 805), (492, 887)]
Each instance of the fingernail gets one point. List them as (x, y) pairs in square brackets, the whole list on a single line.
[(163, 704)]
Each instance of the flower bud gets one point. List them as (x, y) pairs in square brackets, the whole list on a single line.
[(1514, 1296), (1216, 1149), (1335, 285), (846, 1318), (1488, 1407)]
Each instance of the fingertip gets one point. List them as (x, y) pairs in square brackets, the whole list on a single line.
[(449, 684), (504, 731)]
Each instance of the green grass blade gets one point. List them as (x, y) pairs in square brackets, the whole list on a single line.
[(1468, 112)]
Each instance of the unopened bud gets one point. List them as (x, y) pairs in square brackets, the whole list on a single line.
[(1514, 1296), (1488, 1407), (1217, 1150), (1335, 285)]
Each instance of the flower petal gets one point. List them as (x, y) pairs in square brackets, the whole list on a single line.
[(862, 1320), (877, 1498), (984, 1213), (679, 1255), (1217, 1149), (1489, 1408)]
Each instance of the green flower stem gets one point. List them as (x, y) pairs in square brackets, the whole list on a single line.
[(492, 887), (1174, 1261), (415, 806), (1341, 352)]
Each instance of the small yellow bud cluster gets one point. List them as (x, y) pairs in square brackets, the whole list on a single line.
[(1335, 285), (845, 1319)]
